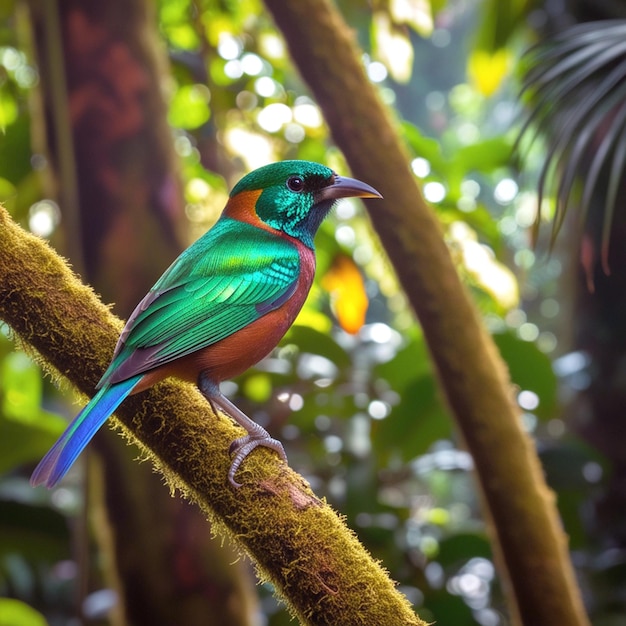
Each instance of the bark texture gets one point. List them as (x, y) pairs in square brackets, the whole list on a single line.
[(116, 179), (525, 523), (109, 141), (297, 541)]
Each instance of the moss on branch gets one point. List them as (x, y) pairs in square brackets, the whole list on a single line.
[(297, 541)]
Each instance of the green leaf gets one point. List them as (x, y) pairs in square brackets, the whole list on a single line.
[(190, 107), (8, 109), (25, 443), (416, 422), (17, 613), (27, 431), (462, 547), (258, 387), (315, 342), (21, 387), (530, 369), (500, 20), (425, 147), (410, 363), (484, 156), (37, 532), (565, 468)]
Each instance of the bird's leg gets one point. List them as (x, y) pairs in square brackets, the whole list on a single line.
[(257, 435)]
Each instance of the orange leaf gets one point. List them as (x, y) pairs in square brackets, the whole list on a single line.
[(349, 301)]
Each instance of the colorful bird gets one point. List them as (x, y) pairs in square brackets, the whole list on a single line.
[(222, 306)]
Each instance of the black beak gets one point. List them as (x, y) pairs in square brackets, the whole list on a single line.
[(344, 187)]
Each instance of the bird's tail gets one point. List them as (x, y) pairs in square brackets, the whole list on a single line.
[(78, 434)]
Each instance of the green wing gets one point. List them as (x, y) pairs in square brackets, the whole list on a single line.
[(228, 279)]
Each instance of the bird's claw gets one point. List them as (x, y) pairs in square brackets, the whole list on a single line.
[(242, 447)]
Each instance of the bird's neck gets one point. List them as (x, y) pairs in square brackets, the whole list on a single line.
[(241, 207)]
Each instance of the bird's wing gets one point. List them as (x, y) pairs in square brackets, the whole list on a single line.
[(215, 288)]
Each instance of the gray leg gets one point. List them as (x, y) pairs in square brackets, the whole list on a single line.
[(257, 435)]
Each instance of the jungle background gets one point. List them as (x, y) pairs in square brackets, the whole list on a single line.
[(122, 129)]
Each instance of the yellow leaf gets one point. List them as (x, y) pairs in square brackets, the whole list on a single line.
[(415, 13), (349, 300), (487, 71), (393, 47)]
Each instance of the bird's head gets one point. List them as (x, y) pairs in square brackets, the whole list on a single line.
[(295, 196)]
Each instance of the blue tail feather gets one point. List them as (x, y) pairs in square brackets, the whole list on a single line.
[(79, 433)]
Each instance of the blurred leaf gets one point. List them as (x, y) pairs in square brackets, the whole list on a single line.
[(175, 23), (15, 153), (530, 370), (311, 317), (24, 443), (499, 22), (37, 532), (425, 147), (21, 387), (484, 156), (461, 547), (27, 431), (7, 190), (566, 466), (417, 14), (482, 221), (487, 70), (410, 363), (327, 247), (258, 387), (315, 342), (17, 613), (349, 300), (445, 608), (189, 107), (8, 109), (415, 423), (392, 46), (576, 91)]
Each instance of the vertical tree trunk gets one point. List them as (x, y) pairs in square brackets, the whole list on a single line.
[(108, 135), (121, 199), (526, 529), (599, 331)]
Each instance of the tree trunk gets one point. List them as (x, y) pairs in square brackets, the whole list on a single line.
[(527, 533), (121, 198), (597, 411), (109, 141)]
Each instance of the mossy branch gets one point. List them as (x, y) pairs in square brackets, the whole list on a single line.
[(526, 529), (297, 541)]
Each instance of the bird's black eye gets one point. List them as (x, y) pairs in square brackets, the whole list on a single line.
[(295, 183)]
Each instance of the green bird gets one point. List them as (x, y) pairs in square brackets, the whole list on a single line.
[(221, 306)]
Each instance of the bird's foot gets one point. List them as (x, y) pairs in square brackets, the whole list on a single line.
[(242, 447), (257, 435)]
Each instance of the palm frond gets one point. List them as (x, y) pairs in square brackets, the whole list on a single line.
[(575, 88)]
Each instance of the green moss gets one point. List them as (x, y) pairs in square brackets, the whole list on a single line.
[(297, 541)]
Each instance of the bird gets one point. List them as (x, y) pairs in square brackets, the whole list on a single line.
[(221, 306)]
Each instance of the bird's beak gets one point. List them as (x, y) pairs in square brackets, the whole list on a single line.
[(344, 187)]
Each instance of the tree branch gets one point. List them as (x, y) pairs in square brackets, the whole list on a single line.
[(526, 527), (298, 542)]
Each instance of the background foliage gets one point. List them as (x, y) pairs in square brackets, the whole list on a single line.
[(360, 416)]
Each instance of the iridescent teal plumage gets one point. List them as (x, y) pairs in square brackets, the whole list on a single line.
[(222, 305), (216, 287)]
